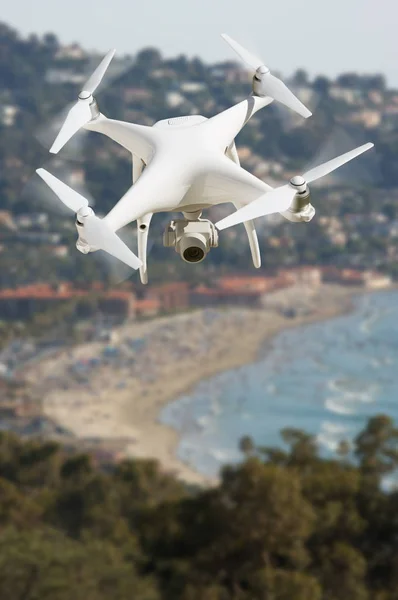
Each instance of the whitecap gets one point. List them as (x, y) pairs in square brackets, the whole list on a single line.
[(202, 421), (329, 442), (223, 455), (335, 428), (339, 407), (354, 391), (390, 483), (215, 409)]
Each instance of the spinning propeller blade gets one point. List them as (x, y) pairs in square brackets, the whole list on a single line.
[(279, 199), (270, 85), (69, 197), (335, 163), (250, 59), (95, 79), (80, 113), (97, 232), (275, 201)]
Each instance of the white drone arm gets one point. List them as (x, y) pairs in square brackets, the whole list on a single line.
[(138, 139), (225, 126), (161, 187)]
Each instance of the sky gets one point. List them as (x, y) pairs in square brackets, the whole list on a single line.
[(322, 37)]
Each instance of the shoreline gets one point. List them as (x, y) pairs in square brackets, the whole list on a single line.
[(198, 351)]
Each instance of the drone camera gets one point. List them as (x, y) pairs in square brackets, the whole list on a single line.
[(192, 239)]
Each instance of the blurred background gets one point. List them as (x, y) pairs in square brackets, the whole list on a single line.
[(222, 432)]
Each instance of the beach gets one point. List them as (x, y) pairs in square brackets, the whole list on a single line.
[(151, 363)]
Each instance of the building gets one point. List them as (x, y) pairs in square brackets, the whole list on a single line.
[(147, 307), (72, 51), (374, 280), (206, 296), (306, 275), (237, 291), (170, 296), (136, 94), (368, 279), (24, 302), (7, 220)]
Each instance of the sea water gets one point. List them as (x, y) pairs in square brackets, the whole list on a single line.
[(326, 378)]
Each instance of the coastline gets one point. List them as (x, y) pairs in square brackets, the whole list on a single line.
[(105, 410)]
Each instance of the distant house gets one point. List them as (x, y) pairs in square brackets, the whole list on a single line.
[(61, 76), (163, 73), (390, 117), (347, 95), (174, 99), (72, 51), (376, 280), (170, 296), (136, 94), (59, 251), (237, 291), (192, 87), (147, 307), (367, 117), (6, 220), (27, 221), (306, 275), (230, 72), (368, 279), (23, 302), (8, 113), (376, 97)]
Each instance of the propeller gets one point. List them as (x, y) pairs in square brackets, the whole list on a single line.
[(76, 147), (268, 84), (280, 199), (339, 140), (80, 113), (97, 233)]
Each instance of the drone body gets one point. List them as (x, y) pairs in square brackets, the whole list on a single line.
[(186, 164)]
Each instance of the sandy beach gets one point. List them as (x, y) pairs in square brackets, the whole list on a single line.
[(149, 364)]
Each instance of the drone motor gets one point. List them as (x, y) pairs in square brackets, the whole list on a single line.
[(300, 209)]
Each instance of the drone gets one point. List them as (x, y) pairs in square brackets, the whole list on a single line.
[(186, 164)]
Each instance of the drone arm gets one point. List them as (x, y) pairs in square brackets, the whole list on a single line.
[(225, 126), (138, 139), (253, 240), (142, 224), (249, 225), (142, 234), (229, 182), (159, 188)]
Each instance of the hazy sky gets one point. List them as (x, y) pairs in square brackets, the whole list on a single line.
[(322, 37)]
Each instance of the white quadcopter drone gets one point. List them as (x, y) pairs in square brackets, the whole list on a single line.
[(186, 164)]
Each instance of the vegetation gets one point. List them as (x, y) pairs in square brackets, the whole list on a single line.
[(282, 525)]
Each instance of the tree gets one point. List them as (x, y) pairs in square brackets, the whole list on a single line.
[(321, 85), (246, 445), (46, 565), (343, 573), (376, 447), (300, 78)]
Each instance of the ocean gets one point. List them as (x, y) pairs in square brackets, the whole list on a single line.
[(326, 378)]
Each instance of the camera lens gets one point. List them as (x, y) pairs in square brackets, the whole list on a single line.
[(193, 254)]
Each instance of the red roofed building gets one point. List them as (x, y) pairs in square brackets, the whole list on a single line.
[(369, 279), (170, 296), (306, 275), (23, 302), (147, 307), (237, 290)]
